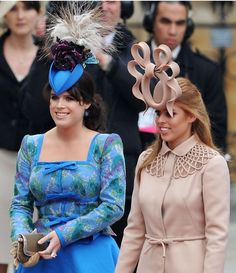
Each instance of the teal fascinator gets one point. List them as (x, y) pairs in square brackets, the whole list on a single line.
[(74, 38)]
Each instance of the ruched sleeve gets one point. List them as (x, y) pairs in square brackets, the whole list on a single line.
[(21, 210)]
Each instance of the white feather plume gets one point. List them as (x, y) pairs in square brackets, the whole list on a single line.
[(82, 26)]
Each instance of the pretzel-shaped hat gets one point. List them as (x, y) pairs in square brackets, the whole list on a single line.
[(167, 90)]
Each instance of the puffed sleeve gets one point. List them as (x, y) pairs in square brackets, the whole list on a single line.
[(21, 210), (134, 233), (216, 197), (112, 196)]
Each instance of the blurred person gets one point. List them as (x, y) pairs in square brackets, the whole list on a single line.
[(114, 84), (73, 173), (179, 216), (17, 53), (170, 23)]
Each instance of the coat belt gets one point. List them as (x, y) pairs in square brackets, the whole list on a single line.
[(167, 241)]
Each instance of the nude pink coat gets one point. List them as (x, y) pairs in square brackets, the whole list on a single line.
[(179, 217)]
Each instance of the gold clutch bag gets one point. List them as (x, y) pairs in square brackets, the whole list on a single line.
[(28, 246), (25, 249)]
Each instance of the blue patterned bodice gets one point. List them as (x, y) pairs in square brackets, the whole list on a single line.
[(75, 198)]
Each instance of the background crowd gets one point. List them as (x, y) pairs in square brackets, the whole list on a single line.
[(24, 75)]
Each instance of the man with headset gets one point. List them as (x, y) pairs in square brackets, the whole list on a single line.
[(114, 83), (170, 23)]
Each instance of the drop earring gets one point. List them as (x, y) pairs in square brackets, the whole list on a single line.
[(86, 113)]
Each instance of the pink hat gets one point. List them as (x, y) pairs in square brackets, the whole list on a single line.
[(167, 90)]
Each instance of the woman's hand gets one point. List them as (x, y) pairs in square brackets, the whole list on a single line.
[(54, 246)]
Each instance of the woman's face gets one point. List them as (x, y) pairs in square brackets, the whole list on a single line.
[(66, 111), (21, 20), (174, 130)]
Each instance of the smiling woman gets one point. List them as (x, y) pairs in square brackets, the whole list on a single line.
[(176, 129), (83, 94), (179, 217), (73, 173)]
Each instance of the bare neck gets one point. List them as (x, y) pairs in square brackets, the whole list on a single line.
[(71, 134), (20, 43)]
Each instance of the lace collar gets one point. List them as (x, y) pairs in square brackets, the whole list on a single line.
[(191, 156)]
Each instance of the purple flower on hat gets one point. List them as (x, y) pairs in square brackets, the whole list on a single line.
[(67, 54)]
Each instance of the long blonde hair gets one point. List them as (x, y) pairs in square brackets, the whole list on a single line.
[(191, 102)]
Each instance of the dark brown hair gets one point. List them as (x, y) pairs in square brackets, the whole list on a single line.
[(84, 91), (32, 5)]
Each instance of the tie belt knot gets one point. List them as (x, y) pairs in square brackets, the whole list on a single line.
[(167, 241)]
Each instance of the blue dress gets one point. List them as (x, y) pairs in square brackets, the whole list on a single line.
[(77, 199)]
